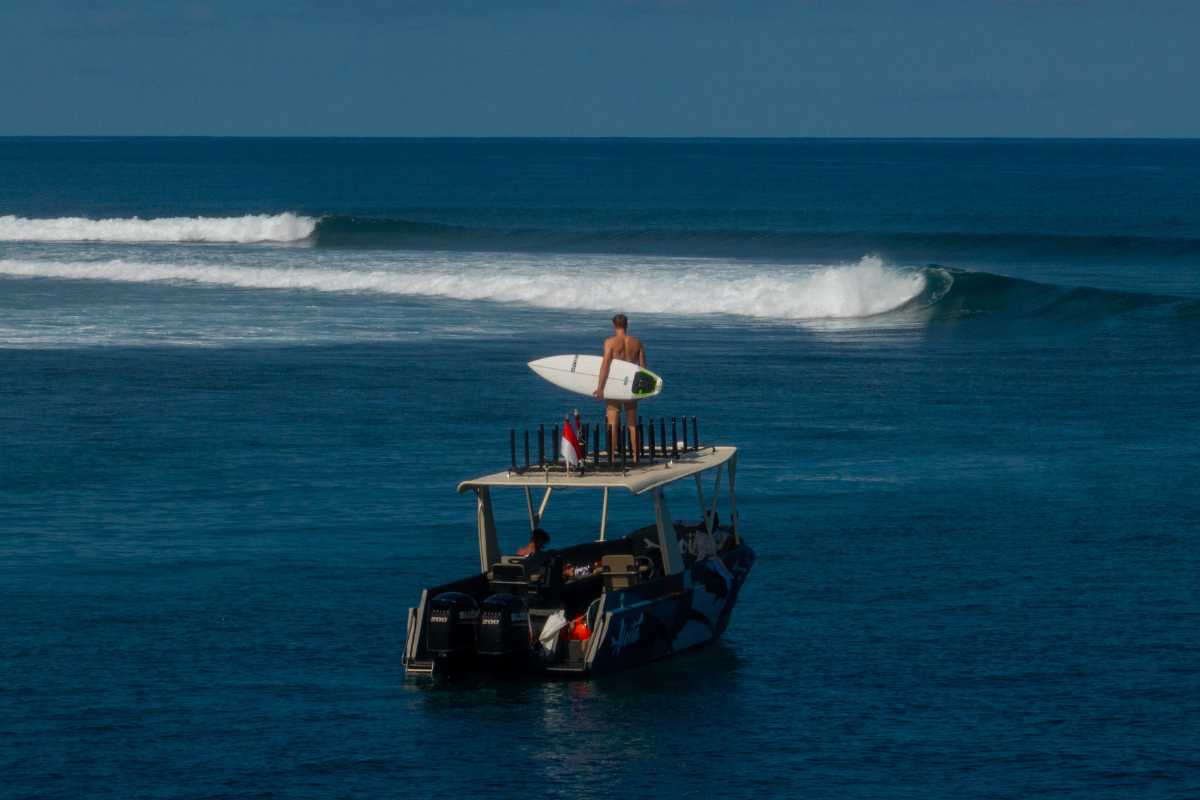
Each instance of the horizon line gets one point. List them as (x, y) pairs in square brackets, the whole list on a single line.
[(535, 137)]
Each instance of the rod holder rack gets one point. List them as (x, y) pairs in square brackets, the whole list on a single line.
[(605, 448)]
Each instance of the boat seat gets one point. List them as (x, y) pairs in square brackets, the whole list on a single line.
[(538, 577), (619, 571), (508, 577)]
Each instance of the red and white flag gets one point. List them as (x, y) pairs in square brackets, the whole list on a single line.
[(572, 453)]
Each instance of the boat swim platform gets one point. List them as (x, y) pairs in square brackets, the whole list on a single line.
[(637, 479)]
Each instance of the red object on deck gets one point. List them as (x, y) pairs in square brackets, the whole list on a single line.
[(579, 630)]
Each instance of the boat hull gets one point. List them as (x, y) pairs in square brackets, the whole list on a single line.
[(646, 630), (636, 625)]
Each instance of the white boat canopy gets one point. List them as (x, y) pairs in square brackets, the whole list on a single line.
[(635, 479)]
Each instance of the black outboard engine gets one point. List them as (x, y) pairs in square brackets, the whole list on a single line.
[(453, 618), (504, 626)]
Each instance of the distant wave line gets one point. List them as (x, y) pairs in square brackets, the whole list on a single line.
[(248, 229)]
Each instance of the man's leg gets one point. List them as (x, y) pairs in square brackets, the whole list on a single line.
[(631, 421), (612, 412)]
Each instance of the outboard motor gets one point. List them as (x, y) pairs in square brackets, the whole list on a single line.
[(453, 617), (504, 626)]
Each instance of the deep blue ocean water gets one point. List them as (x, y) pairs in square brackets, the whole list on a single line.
[(239, 380)]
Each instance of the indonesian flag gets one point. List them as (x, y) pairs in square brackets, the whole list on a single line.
[(572, 453)]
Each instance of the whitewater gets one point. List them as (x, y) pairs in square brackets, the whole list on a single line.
[(844, 291), (248, 229), (662, 286)]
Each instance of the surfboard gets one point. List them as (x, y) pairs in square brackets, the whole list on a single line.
[(579, 374)]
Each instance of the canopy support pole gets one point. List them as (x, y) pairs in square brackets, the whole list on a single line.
[(489, 547), (533, 521), (667, 540), (737, 539), (545, 501), (710, 519), (603, 514)]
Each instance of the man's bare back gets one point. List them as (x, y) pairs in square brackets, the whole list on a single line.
[(624, 347)]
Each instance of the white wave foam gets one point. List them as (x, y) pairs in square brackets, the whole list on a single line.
[(863, 289), (251, 228)]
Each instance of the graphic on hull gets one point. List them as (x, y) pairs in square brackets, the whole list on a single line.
[(629, 633)]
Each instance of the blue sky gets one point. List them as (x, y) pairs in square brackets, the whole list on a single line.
[(592, 68)]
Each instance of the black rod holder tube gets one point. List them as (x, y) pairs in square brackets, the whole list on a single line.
[(621, 434), (541, 445), (554, 444), (662, 434), (512, 448), (582, 433), (674, 439), (641, 439), (596, 445), (695, 434), (612, 442), (526, 449), (650, 444)]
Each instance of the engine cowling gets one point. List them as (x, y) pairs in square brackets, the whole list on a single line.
[(504, 626), (453, 620)]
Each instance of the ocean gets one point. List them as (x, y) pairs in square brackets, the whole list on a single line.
[(241, 378)]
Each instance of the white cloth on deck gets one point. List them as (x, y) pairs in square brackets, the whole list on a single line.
[(549, 635)]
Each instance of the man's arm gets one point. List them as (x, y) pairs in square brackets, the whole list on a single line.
[(605, 366)]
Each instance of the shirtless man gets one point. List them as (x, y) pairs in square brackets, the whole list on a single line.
[(625, 347)]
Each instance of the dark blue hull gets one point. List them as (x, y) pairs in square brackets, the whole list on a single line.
[(638, 629)]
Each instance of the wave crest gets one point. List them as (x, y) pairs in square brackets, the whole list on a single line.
[(864, 289), (251, 228)]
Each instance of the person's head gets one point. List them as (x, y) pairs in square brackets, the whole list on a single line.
[(621, 323), (538, 539)]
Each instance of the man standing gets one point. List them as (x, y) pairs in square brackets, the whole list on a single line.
[(627, 348)]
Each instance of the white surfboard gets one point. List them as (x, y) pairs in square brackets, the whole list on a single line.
[(577, 373)]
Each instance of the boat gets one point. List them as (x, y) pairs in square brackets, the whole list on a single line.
[(604, 603)]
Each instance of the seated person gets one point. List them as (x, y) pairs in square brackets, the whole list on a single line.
[(581, 570), (537, 543)]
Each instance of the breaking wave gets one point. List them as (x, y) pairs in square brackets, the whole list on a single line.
[(247, 229), (864, 289), (867, 289)]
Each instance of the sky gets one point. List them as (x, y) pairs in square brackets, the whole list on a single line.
[(600, 68)]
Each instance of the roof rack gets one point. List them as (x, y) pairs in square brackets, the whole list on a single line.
[(612, 456), (607, 448)]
